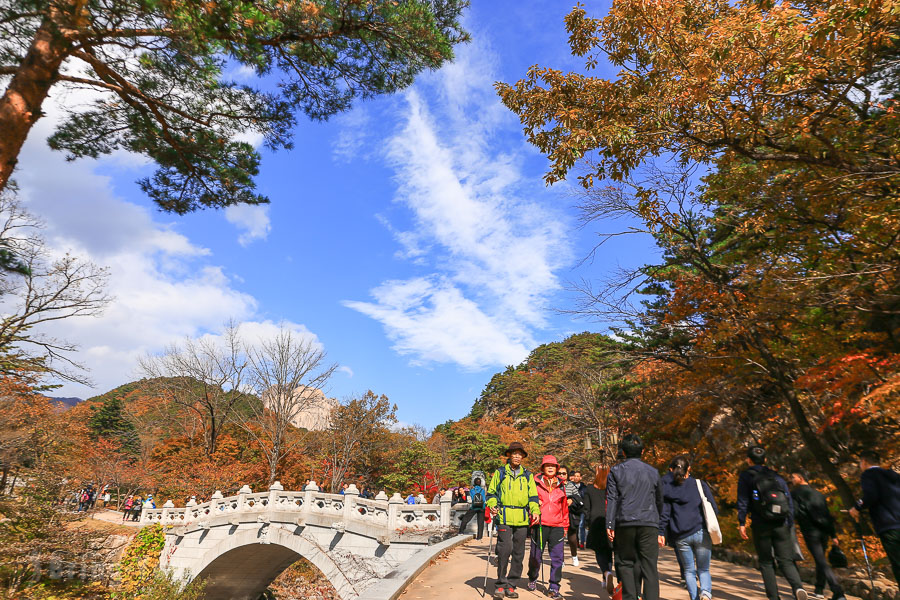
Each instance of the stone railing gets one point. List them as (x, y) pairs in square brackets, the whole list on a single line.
[(382, 515)]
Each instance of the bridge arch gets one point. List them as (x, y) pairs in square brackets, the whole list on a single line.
[(243, 565), (241, 543)]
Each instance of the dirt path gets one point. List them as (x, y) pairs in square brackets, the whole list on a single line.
[(460, 576), (112, 516)]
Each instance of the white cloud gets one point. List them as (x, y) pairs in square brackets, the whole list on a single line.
[(255, 332), (252, 219), (353, 134), (493, 253), (164, 286), (346, 370), (432, 321)]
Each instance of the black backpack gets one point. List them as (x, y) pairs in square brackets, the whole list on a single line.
[(478, 499), (771, 502)]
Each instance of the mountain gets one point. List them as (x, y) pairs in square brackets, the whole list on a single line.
[(69, 402)]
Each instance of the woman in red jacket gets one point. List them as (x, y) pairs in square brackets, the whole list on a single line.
[(551, 531)]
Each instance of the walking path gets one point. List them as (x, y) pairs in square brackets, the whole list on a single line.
[(113, 516), (460, 576)]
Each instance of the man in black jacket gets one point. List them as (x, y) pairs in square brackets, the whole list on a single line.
[(881, 497), (633, 504), (765, 495), (817, 525)]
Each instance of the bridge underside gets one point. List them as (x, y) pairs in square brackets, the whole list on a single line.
[(244, 573)]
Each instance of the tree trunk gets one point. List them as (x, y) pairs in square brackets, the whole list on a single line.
[(819, 448), (20, 106)]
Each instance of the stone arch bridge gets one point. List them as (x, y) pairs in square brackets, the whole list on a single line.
[(240, 544)]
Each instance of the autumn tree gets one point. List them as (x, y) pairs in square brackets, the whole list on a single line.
[(286, 374), (204, 376), (775, 213), (358, 434), (413, 466), (165, 80)]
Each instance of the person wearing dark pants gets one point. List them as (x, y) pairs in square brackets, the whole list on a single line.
[(881, 497), (510, 558), (595, 515), (551, 532), (817, 525), (513, 501), (637, 552), (552, 538), (576, 506), (476, 509), (633, 504), (765, 496)]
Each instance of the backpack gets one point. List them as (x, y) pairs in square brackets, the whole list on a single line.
[(478, 499), (771, 502), (502, 475)]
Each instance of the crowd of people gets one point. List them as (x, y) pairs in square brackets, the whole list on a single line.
[(630, 511), (88, 497)]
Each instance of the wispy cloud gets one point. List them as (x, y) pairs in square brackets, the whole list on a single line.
[(353, 134), (492, 252), (252, 220)]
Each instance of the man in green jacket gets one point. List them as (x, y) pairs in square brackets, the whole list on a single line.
[(513, 500)]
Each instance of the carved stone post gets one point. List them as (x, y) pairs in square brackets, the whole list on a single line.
[(394, 504), (242, 494), (165, 512), (446, 508), (215, 503), (350, 496), (310, 489), (273, 494)]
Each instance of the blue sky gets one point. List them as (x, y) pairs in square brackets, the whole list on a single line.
[(413, 236)]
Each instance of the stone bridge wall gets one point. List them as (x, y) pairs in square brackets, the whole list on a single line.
[(239, 544)]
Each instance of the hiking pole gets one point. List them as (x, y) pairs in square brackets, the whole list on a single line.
[(862, 540), (487, 567), (541, 537)]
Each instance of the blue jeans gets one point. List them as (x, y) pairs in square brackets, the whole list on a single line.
[(695, 551), (582, 529)]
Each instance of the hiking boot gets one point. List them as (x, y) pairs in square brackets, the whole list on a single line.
[(705, 596), (554, 594), (511, 592), (532, 585), (574, 561), (610, 584), (498, 593), (801, 594)]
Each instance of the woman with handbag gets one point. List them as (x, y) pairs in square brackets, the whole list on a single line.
[(690, 516)]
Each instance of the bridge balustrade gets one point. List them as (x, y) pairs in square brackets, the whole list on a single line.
[(389, 514)]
